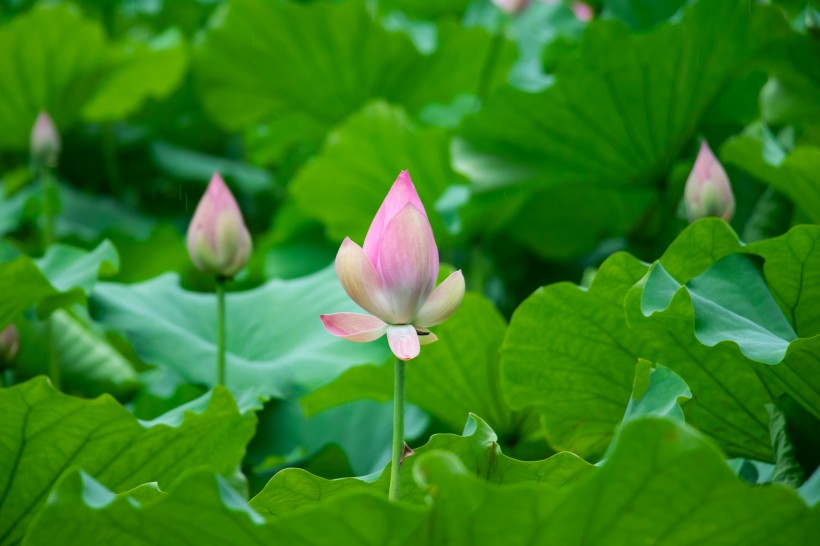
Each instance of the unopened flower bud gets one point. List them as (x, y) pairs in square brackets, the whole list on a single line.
[(708, 192), (9, 345), (583, 11), (218, 241), (45, 141), (511, 6)]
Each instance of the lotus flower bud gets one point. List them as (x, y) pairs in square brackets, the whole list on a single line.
[(9, 345), (583, 11), (218, 241), (45, 141), (708, 192), (511, 6)]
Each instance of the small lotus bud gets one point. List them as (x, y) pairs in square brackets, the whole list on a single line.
[(511, 6), (708, 192), (218, 241), (9, 345), (45, 141), (583, 11)]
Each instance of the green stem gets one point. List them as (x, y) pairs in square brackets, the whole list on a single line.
[(49, 208), (398, 430), (490, 61), (220, 330), (53, 364)]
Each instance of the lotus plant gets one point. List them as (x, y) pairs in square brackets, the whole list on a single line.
[(45, 152), (708, 191), (511, 6), (393, 277), (219, 244)]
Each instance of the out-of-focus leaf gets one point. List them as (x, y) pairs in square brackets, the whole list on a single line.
[(45, 432), (352, 56), (796, 175), (52, 60), (87, 361), (643, 14), (362, 429), (141, 70), (345, 184), (478, 450), (203, 509), (56, 60), (594, 149), (65, 275), (456, 375), (197, 167), (626, 501), (275, 340)]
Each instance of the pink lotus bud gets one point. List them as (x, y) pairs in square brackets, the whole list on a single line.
[(45, 141), (218, 241), (583, 11), (9, 345), (511, 6), (393, 277), (708, 192)]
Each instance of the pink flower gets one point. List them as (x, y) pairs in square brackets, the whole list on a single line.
[(218, 241), (583, 11), (393, 277), (45, 141), (708, 191), (511, 6)]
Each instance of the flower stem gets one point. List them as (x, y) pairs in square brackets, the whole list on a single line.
[(49, 206), (220, 330), (398, 430)]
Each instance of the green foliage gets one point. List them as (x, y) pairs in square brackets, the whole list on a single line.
[(102, 438), (290, 354), (547, 150), (64, 276)]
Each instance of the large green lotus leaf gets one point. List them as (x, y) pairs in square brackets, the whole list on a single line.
[(792, 270), (428, 10), (63, 276), (730, 301), (729, 305), (275, 340), (797, 175), (663, 483), (456, 375), (621, 111), (56, 60), (571, 352), (478, 450), (45, 432), (344, 185), (203, 509), (250, 66)]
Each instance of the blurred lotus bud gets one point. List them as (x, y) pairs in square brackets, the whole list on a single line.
[(9, 345), (583, 11), (511, 6), (218, 241), (708, 192), (45, 141)]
